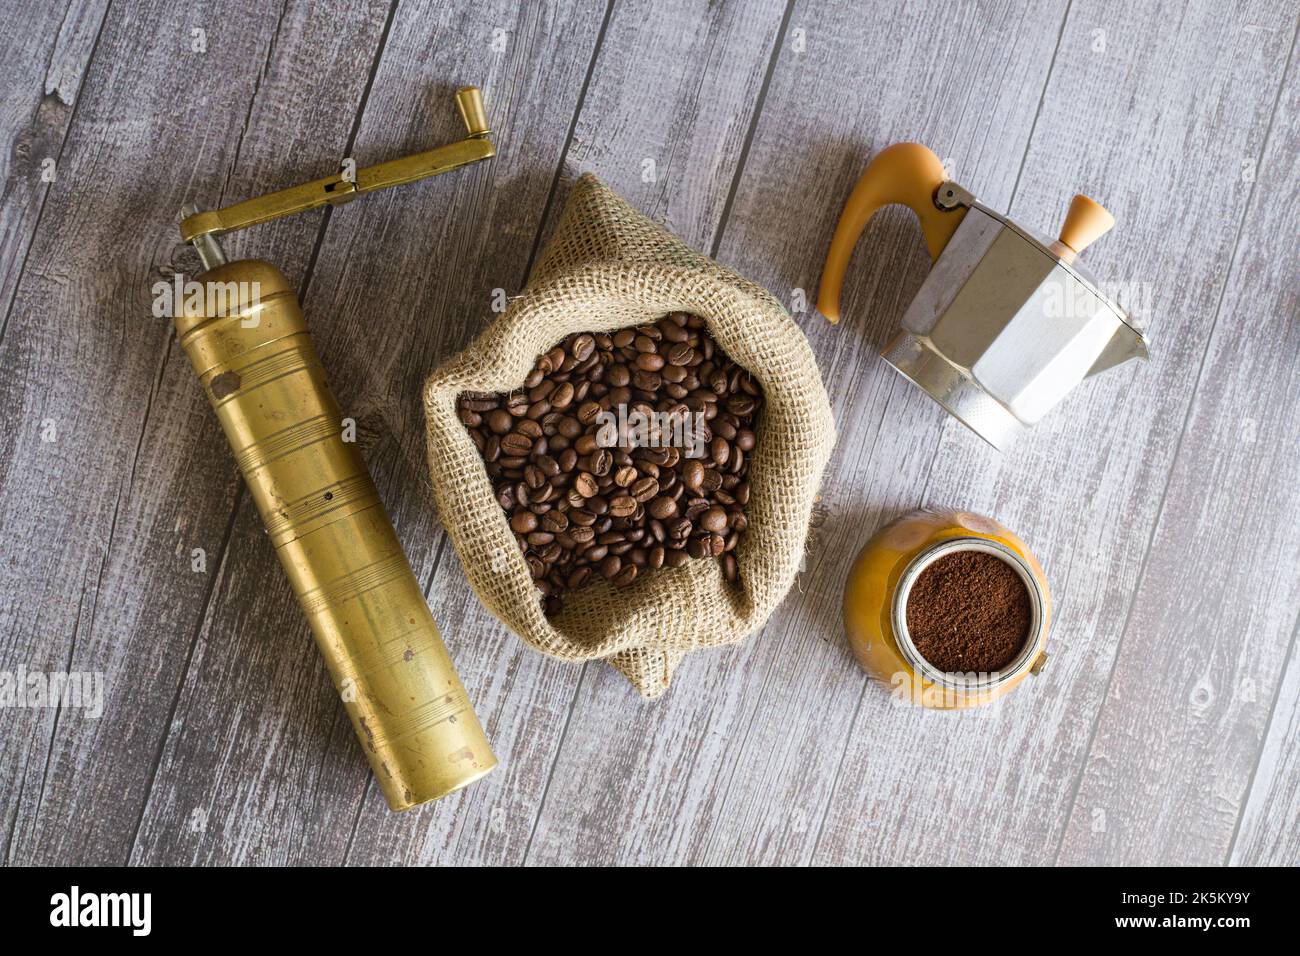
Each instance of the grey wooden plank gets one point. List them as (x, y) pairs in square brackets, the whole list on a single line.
[(734, 762), (107, 516), (651, 70), (400, 281), (1161, 112), (43, 58), (1267, 834), (1205, 648)]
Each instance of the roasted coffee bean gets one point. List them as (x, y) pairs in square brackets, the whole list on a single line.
[(585, 485), (622, 506), (618, 376), (681, 354), (672, 331), (523, 522), (610, 565), (674, 375), (478, 402), (644, 490), (500, 421), (675, 558), (741, 405), (714, 520), (516, 444), (562, 397), (693, 473), (582, 347), (625, 576), (646, 381), (663, 508), (696, 507)]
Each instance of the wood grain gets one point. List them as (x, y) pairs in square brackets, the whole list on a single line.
[(41, 73), (42, 67), (1267, 834), (1205, 647), (109, 513), (1165, 728)]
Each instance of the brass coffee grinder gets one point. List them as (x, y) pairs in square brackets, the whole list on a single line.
[(249, 344)]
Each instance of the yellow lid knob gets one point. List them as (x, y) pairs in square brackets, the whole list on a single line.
[(1085, 223)]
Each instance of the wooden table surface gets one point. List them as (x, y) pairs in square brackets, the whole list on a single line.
[(1161, 497)]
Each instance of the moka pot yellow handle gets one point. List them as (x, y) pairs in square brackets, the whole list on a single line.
[(905, 173)]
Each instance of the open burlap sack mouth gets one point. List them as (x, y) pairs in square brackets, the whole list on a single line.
[(608, 267)]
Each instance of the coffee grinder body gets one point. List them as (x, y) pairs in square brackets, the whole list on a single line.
[(261, 373), (248, 342)]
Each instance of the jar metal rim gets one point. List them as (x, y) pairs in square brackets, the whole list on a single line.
[(974, 682)]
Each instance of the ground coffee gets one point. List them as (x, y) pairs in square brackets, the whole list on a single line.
[(624, 452), (969, 611)]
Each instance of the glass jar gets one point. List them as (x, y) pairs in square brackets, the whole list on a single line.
[(875, 607)]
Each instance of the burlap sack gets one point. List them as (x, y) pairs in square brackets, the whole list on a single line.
[(606, 267)]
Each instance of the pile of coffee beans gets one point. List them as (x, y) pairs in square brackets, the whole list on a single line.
[(624, 452)]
